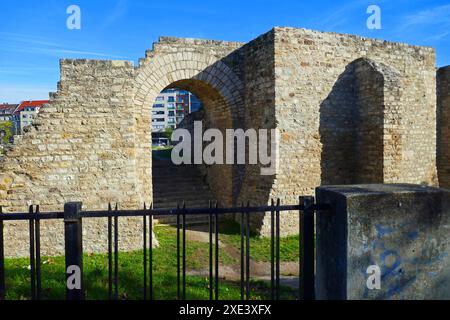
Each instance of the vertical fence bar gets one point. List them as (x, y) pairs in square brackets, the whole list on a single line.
[(277, 237), (242, 251), (2, 260), (272, 250), (116, 255), (151, 251), (178, 253), (110, 281), (73, 238), (38, 254), (32, 254), (216, 220), (307, 255), (144, 226), (247, 253), (211, 284), (301, 280), (184, 251)]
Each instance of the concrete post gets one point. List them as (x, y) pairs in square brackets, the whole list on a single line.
[(401, 229)]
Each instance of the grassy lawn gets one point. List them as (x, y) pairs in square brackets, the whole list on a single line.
[(259, 246), (131, 274)]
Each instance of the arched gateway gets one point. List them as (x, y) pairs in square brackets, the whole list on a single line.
[(92, 143), (195, 66)]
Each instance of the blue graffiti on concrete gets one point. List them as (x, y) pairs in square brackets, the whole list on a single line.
[(412, 235), (394, 279), (382, 231)]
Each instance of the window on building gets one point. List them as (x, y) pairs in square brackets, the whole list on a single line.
[(177, 103)]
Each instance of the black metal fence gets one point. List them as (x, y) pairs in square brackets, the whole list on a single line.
[(73, 216)]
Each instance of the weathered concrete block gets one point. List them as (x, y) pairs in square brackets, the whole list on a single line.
[(404, 229)]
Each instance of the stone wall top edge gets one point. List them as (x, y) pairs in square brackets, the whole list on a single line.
[(356, 37), (114, 63), (353, 191), (197, 41), (266, 35)]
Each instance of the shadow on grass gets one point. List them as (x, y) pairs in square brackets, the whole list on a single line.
[(131, 284), (131, 275)]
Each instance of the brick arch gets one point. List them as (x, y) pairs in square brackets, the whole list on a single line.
[(161, 71), (212, 81)]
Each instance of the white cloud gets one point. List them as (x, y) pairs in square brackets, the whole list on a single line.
[(14, 42), (344, 14), (27, 70), (439, 36), (119, 10), (435, 16)]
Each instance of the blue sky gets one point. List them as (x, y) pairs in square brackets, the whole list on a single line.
[(34, 36)]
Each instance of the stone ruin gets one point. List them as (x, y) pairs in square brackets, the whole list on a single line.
[(348, 109)]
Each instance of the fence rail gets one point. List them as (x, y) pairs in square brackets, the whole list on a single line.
[(73, 217)]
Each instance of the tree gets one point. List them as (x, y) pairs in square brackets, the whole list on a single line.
[(6, 132), (168, 133)]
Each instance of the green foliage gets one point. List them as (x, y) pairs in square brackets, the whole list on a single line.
[(7, 128), (168, 133), (131, 274)]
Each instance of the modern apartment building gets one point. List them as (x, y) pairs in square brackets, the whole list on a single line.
[(170, 108), (7, 111)]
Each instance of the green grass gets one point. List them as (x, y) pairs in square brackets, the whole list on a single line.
[(260, 246), (131, 274)]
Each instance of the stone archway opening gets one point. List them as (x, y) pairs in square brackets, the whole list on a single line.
[(221, 92), (179, 106)]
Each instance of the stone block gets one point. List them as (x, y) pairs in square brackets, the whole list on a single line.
[(401, 228)]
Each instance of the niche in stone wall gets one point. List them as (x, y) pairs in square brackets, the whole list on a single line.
[(443, 126), (353, 125), (369, 125)]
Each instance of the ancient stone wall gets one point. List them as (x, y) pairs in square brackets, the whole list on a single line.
[(368, 114), (443, 102), (311, 77), (260, 89), (348, 109), (92, 143), (378, 126), (202, 67), (352, 125), (81, 148)]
